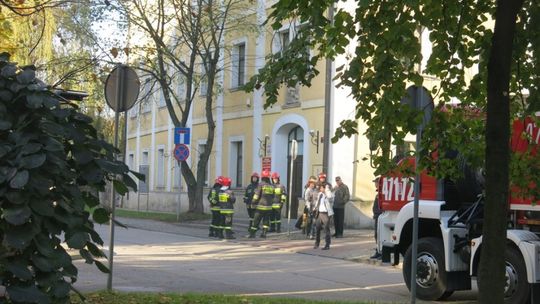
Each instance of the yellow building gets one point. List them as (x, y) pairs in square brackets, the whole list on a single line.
[(247, 135)]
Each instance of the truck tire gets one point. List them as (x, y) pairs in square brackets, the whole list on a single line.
[(516, 288), (431, 276)]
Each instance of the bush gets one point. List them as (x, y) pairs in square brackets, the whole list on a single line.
[(52, 165)]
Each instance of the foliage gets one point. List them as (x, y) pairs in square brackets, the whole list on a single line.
[(52, 165), (383, 50), (188, 298)]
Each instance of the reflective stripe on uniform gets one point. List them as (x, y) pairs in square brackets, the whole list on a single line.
[(226, 211), (268, 189), (264, 208), (223, 197)]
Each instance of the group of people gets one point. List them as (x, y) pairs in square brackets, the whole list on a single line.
[(264, 201), (322, 203)]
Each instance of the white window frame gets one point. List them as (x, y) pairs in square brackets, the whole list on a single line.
[(233, 157), (160, 167), (236, 82), (202, 142)]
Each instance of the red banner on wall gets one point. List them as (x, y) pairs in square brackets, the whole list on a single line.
[(267, 163)]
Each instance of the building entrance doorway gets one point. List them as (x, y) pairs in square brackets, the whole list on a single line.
[(297, 190)]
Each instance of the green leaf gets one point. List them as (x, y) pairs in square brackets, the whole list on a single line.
[(43, 263), (31, 148), (19, 269), (4, 125), (27, 76), (26, 294), (61, 289), (44, 245), (42, 207), (101, 267), (78, 240), (34, 101), (82, 155), (19, 180), (17, 215), (53, 145), (100, 215), (138, 175), (95, 251), (18, 237), (120, 187), (33, 161), (111, 166)]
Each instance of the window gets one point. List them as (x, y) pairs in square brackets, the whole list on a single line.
[(144, 160), (284, 38), (202, 148), (161, 167), (161, 99), (237, 163), (238, 65), (146, 105), (131, 161), (177, 175), (134, 111), (181, 88), (203, 84), (297, 134)]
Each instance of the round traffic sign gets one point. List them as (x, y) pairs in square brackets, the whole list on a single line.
[(181, 152), (122, 88)]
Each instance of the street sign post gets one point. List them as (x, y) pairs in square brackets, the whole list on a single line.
[(121, 92), (419, 99), (294, 154)]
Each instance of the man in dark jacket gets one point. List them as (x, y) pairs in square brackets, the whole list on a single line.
[(248, 197), (341, 197)]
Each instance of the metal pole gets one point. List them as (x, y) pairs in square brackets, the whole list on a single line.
[(419, 101), (290, 199), (120, 100), (327, 103)]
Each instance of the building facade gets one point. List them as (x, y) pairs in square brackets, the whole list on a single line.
[(248, 137)]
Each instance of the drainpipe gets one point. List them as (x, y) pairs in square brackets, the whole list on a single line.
[(327, 100)]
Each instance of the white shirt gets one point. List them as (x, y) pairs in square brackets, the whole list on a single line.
[(321, 202)]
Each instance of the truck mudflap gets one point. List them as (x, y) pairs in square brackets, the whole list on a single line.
[(390, 250)]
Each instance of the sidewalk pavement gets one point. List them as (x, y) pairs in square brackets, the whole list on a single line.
[(357, 245)]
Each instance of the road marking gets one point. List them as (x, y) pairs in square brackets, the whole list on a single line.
[(300, 292)]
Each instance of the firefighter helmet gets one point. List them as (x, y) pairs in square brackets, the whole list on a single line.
[(255, 174), (226, 182), (265, 174), (219, 180), (322, 175), (275, 175)]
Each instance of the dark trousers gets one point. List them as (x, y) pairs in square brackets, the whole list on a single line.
[(264, 216), (251, 214), (215, 225), (323, 222), (339, 218)]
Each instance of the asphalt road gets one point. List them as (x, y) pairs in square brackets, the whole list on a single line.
[(170, 262)]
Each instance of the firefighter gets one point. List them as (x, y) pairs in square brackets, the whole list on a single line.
[(280, 198), (226, 204), (248, 197), (263, 197), (215, 224)]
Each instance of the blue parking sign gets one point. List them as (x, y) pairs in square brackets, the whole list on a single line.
[(181, 136)]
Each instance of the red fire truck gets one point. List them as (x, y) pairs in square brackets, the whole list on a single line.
[(450, 228)]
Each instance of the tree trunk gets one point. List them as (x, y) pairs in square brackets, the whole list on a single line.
[(492, 266)]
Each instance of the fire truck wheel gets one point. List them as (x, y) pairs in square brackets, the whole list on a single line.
[(431, 278), (516, 287)]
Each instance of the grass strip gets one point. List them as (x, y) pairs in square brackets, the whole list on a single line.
[(104, 297), (161, 216)]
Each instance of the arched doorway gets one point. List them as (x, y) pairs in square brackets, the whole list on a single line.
[(296, 133)]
